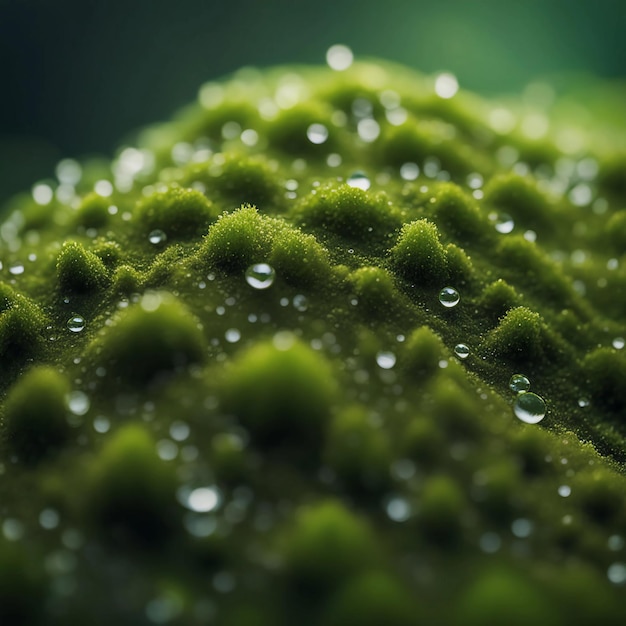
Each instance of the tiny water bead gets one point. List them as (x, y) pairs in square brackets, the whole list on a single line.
[(461, 350), (200, 500), (529, 408), (157, 237), (359, 180), (449, 297), (260, 276), (339, 57), (76, 323), (618, 343), (446, 85), (519, 383), (317, 133)]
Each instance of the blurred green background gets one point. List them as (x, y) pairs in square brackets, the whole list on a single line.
[(78, 75)]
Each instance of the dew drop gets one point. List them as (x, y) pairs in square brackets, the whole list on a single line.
[(519, 383), (359, 180), (232, 335), (339, 57), (564, 491), (449, 297), (529, 408), (386, 360), (368, 130), (76, 323), (78, 402), (502, 222), (260, 275), (300, 303), (618, 343), (446, 85), (16, 269), (200, 500), (583, 403), (317, 133), (461, 350), (617, 573), (157, 237), (398, 509), (409, 171)]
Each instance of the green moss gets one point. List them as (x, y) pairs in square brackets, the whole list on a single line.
[(327, 544), (148, 341), (299, 259), (93, 212), (35, 415), (605, 370), (349, 212), (22, 326), (499, 595), (130, 490), (281, 391), (424, 350), (179, 213), (80, 271), (441, 509), (498, 298), (616, 229), (418, 255), (372, 599), (375, 291), (237, 240)]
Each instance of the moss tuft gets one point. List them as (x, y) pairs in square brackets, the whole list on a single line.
[(375, 291), (424, 349), (281, 391), (441, 507), (150, 340), (80, 271), (237, 240), (130, 490), (93, 212), (418, 255), (35, 415), (498, 298), (179, 213), (605, 372)]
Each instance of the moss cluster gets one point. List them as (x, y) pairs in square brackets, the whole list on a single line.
[(318, 439)]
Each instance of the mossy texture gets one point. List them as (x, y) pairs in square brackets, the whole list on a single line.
[(324, 438)]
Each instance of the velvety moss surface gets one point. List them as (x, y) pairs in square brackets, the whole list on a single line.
[(230, 395)]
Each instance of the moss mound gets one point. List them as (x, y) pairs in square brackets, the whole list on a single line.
[(266, 380)]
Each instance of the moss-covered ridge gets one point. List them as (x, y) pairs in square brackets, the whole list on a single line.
[(189, 439)]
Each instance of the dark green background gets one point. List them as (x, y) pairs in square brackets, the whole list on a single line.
[(77, 75)]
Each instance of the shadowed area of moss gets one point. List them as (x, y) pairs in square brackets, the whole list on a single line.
[(258, 371)]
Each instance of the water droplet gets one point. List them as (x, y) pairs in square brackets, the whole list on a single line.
[(522, 528), (617, 573), (339, 57), (446, 85), (502, 222), (409, 171), (461, 350), (157, 236), (398, 509), (101, 424), (449, 297), (618, 343), (529, 408), (583, 403), (42, 194), (519, 383), (359, 180), (260, 275), (76, 323), (232, 335), (300, 303), (16, 269), (49, 519), (368, 130), (386, 360), (317, 133), (78, 402), (564, 491), (200, 500)]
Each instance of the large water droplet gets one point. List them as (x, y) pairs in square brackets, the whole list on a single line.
[(16, 269), (461, 350), (446, 85), (409, 171), (618, 343), (339, 57), (76, 323), (260, 275), (449, 297), (78, 402), (359, 180), (502, 222), (529, 408), (317, 133), (617, 573), (386, 360), (156, 237), (519, 383), (200, 500)]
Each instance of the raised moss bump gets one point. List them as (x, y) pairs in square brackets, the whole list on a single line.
[(179, 213), (93, 212), (79, 270), (418, 255), (35, 422)]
